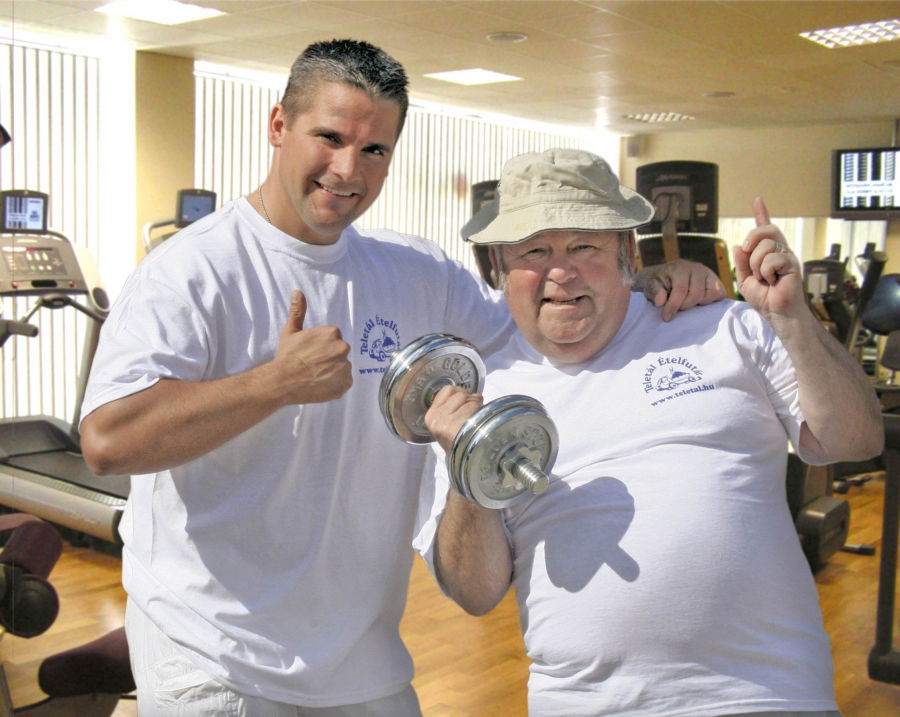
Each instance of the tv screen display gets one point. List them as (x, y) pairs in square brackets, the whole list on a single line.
[(865, 183)]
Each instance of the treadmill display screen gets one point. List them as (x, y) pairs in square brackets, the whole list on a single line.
[(193, 204), (24, 211)]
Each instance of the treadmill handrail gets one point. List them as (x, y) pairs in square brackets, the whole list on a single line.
[(61, 300), (148, 229), (10, 327)]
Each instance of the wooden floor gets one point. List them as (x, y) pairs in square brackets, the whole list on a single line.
[(475, 666)]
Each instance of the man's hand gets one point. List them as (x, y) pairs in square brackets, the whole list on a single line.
[(679, 285), (769, 275), (450, 409), (312, 363)]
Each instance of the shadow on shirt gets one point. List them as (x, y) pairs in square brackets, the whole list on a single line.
[(581, 529)]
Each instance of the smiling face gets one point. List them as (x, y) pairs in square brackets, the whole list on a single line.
[(330, 161), (566, 291)]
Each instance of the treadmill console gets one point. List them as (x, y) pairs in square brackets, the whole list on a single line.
[(36, 265), (33, 259), (34, 262)]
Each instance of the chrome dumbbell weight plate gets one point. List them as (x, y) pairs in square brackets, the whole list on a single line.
[(503, 451), (417, 372)]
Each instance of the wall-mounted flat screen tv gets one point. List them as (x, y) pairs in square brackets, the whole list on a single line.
[(865, 183)]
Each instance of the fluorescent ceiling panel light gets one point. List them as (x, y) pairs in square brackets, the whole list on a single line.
[(865, 34), (162, 12), (654, 117), (476, 76)]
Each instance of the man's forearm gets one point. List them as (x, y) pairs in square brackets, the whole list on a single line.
[(174, 422), (843, 417), (472, 556)]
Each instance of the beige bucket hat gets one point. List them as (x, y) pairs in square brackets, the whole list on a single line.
[(558, 189)]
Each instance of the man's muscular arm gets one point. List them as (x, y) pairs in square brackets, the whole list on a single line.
[(174, 422)]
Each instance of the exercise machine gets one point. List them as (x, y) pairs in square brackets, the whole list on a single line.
[(190, 205), (87, 680), (884, 658), (882, 317), (42, 471), (485, 199), (685, 197)]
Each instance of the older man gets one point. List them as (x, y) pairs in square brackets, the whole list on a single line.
[(660, 573)]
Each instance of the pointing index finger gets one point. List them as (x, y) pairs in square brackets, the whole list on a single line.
[(760, 212)]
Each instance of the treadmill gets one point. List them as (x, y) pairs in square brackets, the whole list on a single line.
[(42, 470), (190, 205)]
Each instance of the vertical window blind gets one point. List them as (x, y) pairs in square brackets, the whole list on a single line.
[(49, 103)]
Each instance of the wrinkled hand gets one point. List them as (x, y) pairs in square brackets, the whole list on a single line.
[(450, 409), (312, 364), (679, 285), (769, 275)]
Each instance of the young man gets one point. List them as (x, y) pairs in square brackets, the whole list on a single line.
[(660, 572), (266, 540)]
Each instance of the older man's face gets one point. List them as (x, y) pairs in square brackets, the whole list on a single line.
[(566, 291)]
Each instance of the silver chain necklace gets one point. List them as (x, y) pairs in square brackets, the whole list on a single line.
[(263, 204)]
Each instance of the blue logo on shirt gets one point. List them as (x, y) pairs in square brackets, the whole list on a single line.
[(673, 376), (380, 339)]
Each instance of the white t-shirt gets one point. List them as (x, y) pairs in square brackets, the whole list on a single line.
[(280, 560), (660, 573)]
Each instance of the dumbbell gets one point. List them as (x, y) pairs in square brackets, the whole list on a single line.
[(501, 451)]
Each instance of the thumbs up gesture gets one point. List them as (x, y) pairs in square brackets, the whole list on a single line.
[(768, 273), (312, 363)]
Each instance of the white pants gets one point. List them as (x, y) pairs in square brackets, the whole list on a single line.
[(170, 685)]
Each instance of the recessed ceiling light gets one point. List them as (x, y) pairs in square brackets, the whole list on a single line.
[(654, 117), (507, 37), (476, 76), (864, 34), (162, 12)]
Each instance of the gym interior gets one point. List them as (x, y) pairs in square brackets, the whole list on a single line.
[(115, 142)]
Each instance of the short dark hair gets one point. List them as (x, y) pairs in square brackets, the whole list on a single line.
[(353, 62)]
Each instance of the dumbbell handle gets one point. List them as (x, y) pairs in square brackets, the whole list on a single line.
[(432, 390), (524, 470), (513, 462)]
